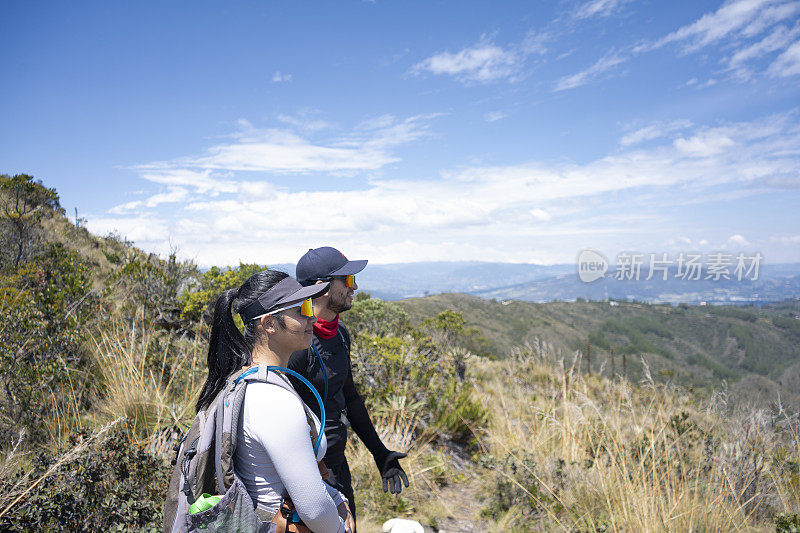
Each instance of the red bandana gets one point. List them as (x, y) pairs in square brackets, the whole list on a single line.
[(326, 330)]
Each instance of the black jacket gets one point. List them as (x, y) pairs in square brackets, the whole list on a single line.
[(342, 399)]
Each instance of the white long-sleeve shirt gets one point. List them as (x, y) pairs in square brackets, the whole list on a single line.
[(275, 456)]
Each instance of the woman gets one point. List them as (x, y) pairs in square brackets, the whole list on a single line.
[(275, 456)]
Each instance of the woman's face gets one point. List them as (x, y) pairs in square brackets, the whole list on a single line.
[(297, 331)]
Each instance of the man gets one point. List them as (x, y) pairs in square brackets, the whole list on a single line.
[(333, 376)]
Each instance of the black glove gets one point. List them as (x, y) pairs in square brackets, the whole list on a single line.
[(392, 473)]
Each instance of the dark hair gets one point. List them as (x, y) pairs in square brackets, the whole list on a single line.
[(228, 349)]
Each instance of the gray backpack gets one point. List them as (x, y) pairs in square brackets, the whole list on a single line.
[(204, 464)]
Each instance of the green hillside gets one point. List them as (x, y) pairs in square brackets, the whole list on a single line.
[(102, 355), (756, 351)]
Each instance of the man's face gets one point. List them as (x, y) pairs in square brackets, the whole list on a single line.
[(340, 296)]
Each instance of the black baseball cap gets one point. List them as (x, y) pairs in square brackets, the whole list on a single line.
[(286, 291), (325, 262)]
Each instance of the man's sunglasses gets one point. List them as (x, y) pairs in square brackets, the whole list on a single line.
[(349, 280), (306, 309)]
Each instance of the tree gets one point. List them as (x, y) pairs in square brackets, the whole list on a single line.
[(23, 203)]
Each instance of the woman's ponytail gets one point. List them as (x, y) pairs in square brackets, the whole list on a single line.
[(228, 349)]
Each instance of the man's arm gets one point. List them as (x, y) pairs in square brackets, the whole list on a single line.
[(359, 419)]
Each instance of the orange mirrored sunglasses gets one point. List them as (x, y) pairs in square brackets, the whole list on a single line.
[(306, 309)]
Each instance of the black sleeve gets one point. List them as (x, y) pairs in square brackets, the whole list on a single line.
[(359, 419)]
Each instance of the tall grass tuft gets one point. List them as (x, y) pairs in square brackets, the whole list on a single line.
[(149, 380)]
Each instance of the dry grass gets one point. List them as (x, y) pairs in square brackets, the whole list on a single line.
[(634, 458), (144, 382), (591, 454)]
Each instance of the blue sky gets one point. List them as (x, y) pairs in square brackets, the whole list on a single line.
[(410, 131)]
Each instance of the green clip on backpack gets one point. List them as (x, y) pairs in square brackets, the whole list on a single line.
[(204, 464)]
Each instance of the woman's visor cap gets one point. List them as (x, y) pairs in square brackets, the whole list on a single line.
[(286, 291)]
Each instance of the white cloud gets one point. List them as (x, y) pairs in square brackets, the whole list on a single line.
[(737, 241), (777, 40), (604, 64), (704, 145), (279, 77), (305, 123), (790, 239), (788, 63), (486, 61), (539, 209), (733, 18), (376, 123), (204, 181), (494, 116), (174, 194), (679, 241), (281, 151), (653, 131), (482, 62), (540, 214), (735, 24), (598, 8), (139, 229)]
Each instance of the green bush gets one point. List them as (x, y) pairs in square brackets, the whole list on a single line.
[(787, 523), (719, 371), (735, 312), (790, 324), (459, 413), (634, 329), (389, 367), (755, 357), (195, 304), (371, 316), (113, 486), (24, 202), (46, 303), (596, 339), (150, 283)]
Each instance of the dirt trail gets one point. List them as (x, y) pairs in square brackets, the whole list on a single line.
[(463, 504)]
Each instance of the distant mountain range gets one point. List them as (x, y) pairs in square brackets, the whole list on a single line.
[(543, 283)]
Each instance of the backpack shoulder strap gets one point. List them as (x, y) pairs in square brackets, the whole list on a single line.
[(228, 409)]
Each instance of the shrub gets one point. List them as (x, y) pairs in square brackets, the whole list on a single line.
[(387, 367), (733, 312), (371, 316), (635, 329), (790, 324), (113, 486), (787, 523), (719, 371), (23, 204), (196, 304), (754, 358), (150, 283), (46, 303)]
